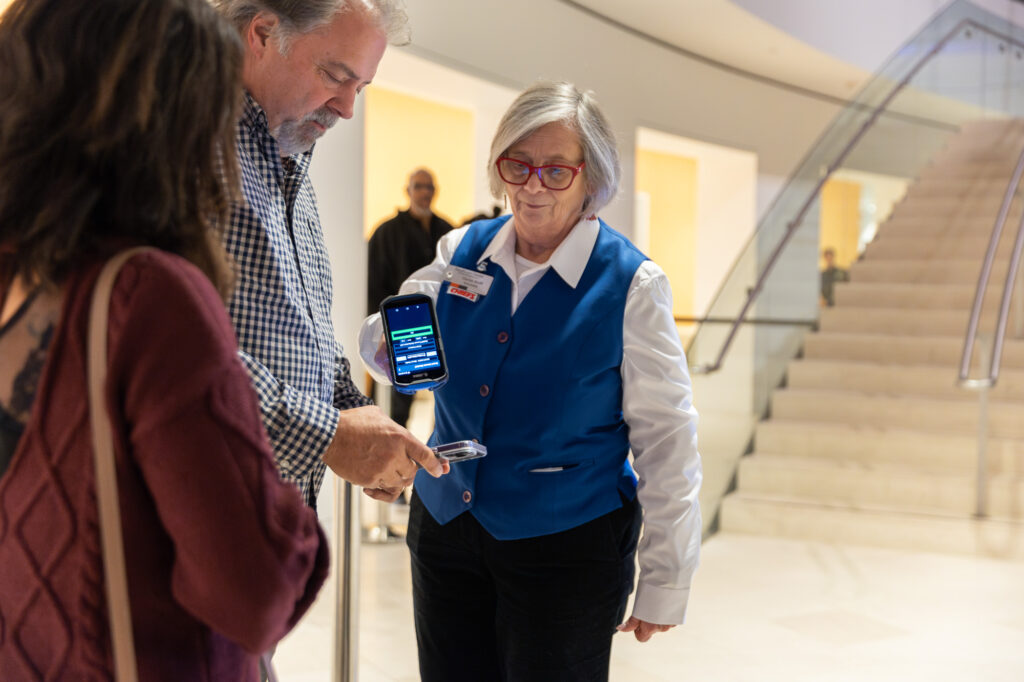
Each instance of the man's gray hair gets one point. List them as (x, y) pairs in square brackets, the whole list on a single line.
[(302, 16), (549, 102)]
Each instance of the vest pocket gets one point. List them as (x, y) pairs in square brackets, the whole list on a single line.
[(560, 467)]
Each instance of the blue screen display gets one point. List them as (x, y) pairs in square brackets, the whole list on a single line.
[(412, 339)]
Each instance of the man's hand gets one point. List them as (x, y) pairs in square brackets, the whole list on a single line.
[(371, 450), (642, 629)]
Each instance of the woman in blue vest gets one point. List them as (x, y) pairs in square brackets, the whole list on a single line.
[(562, 359)]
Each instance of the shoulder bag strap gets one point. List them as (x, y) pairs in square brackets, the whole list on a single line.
[(118, 606)]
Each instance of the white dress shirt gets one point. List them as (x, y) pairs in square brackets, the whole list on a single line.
[(656, 404)]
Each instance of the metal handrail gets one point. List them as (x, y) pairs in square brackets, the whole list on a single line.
[(792, 226), (1004, 306), (756, 321), (979, 294), (983, 384)]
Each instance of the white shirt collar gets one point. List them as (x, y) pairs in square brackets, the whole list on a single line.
[(569, 260)]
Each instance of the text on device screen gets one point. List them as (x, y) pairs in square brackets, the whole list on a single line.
[(412, 339)]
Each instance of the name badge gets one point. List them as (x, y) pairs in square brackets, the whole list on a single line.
[(462, 281)]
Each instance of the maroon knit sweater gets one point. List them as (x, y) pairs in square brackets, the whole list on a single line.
[(223, 558)]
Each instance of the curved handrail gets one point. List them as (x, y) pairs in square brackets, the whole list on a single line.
[(979, 294), (782, 322), (792, 225), (1004, 307)]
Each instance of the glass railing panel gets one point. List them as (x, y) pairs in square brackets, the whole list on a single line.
[(725, 401), (788, 301)]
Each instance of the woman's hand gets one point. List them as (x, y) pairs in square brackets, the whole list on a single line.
[(641, 629)]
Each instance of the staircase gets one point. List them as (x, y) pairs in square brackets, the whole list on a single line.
[(871, 441)]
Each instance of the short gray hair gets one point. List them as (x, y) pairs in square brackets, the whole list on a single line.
[(559, 102), (302, 16)]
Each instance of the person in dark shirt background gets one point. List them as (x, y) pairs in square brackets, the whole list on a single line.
[(399, 247), (829, 276)]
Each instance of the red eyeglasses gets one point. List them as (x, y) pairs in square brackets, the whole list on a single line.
[(552, 176)]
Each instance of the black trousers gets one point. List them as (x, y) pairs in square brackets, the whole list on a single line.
[(532, 610)]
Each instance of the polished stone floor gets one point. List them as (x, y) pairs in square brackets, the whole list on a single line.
[(762, 609)]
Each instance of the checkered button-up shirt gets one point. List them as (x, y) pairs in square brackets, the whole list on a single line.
[(282, 305)]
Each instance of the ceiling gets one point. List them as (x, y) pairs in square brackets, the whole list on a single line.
[(723, 32)]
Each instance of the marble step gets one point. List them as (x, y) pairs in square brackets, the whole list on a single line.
[(879, 485), (904, 322), (999, 153), (873, 445), (909, 295), (913, 380), (989, 187), (942, 219), (907, 412), (943, 227), (972, 170), (988, 203), (991, 146), (891, 349), (991, 152), (987, 130), (938, 271), (902, 246), (784, 517), (989, 126)]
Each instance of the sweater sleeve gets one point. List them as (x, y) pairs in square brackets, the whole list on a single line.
[(249, 556)]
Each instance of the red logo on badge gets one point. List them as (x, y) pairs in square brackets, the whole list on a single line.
[(468, 295)]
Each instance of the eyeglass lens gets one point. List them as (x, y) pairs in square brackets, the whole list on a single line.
[(552, 177)]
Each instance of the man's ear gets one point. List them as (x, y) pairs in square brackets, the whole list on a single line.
[(258, 34)]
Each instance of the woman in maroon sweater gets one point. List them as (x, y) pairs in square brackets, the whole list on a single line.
[(115, 130)]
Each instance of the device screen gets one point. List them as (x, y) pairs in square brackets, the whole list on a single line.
[(414, 343)]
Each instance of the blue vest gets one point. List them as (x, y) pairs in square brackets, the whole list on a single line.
[(541, 389)]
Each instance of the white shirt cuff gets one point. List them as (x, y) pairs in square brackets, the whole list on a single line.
[(660, 605)]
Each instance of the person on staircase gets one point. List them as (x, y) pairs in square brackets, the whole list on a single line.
[(831, 274)]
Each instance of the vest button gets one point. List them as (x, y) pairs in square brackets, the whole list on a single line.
[(467, 496), (485, 390), (502, 337)]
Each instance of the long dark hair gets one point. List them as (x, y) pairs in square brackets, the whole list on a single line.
[(116, 128)]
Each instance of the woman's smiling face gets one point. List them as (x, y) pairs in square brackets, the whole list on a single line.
[(544, 217)]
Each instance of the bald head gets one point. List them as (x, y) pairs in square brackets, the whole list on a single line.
[(421, 190)]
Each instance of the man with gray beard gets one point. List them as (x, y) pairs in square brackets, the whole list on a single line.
[(305, 63)]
